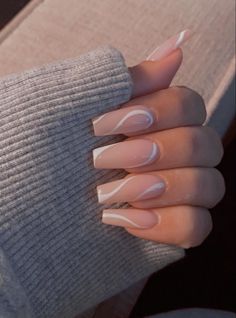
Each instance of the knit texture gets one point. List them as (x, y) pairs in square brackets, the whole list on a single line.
[(62, 259)]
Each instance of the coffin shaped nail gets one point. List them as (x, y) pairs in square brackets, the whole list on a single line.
[(122, 121), (169, 46), (126, 154), (134, 218), (133, 188)]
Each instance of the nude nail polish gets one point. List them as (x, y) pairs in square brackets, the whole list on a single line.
[(122, 121), (133, 218), (126, 154), (133, 188), (169, 46)]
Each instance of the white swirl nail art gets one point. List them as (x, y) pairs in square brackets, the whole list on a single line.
[(153, 188), (106, 121), (149, 160), (98, 151), (126, 154), (140, 187), (105, 196), (95, 121), (131, 114), (121, 217)]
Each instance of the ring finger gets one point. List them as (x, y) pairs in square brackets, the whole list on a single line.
[(187, 186)]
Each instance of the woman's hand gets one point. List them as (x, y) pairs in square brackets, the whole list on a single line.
[(169, 156)]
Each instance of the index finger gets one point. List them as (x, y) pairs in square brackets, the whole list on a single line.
[(150, 76)]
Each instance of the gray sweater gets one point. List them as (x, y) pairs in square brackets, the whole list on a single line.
[(56, 258)]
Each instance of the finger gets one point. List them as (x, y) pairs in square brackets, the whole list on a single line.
[(160, 66), (165, 109), (179, 147), (183, 147), (186, 186), (150, 76), (185, 226)]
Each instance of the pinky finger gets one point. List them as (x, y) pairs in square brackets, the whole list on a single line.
[(184, 226)]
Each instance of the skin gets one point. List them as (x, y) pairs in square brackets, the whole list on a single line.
[(189, 153)]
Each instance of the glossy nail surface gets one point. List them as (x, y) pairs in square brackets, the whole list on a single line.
[(133, 188), (122, 121), (169, 46), (134, 218), (126, 154)]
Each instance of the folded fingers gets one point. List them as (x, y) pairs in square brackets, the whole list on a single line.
[(169, 158)]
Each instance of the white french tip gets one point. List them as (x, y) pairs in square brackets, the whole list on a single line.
[(169, 45), (98, 151), (95, 121), (180, 39)]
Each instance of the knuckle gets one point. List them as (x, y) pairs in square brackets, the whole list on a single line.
[(215, 142), (206, 187), (202, 143), (217, 187), (198, 225), (188, 93), (191, 103), (179, 93), (193, 142)]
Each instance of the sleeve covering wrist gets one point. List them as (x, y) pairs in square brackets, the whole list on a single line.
[(56, 257)]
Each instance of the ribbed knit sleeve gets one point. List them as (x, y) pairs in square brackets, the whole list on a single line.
[(57, 259)]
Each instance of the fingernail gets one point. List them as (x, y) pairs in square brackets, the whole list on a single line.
[(122, 121), (169, 46), (134, 188), (134, 218), (125, 154)]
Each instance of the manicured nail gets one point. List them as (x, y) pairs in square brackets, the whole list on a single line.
[(122, 121), (126, 154), (134, 188), (169, 46), (134, 218)]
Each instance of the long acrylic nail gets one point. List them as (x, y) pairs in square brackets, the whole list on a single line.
[(126, 154), (134, 218), (122, 121), (169, 46), (133, 188)]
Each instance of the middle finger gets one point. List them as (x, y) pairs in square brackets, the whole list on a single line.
[(173, 148)]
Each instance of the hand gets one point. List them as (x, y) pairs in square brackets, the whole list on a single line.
[(169, 157)]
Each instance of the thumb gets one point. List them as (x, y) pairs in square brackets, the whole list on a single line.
[(150, 76)]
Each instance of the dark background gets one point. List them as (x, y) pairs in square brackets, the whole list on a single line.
[(9, 8), (206, 277)]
